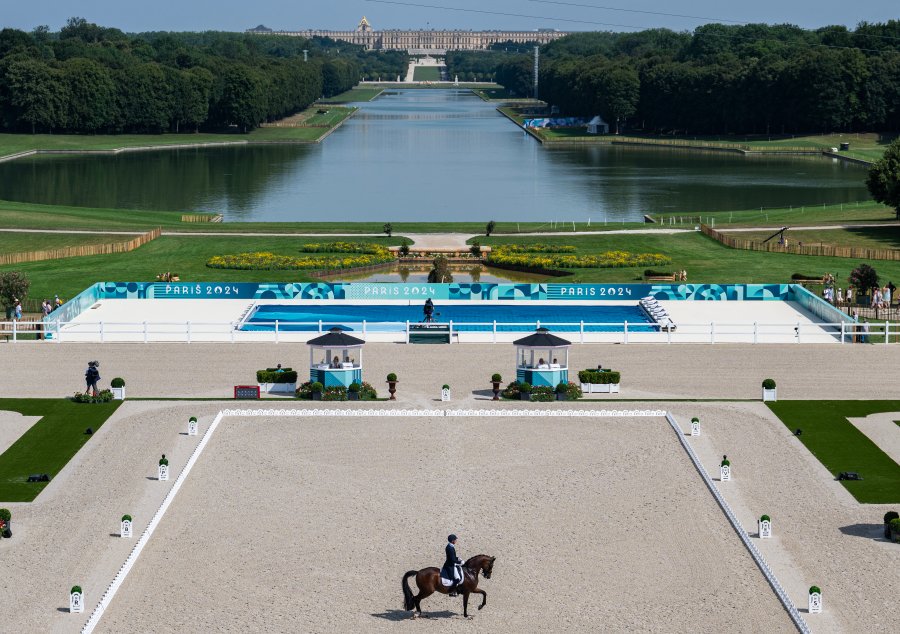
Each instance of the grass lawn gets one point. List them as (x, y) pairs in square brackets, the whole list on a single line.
[(184, 255), (856, 212), (354, 95), (49, 444), (15, 143), (17, 242), (704, 259), (868, 237), (840, 446), (427, 73)]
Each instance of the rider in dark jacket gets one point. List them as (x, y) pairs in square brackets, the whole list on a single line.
[(448, 571)]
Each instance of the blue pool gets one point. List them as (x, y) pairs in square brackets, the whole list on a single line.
[(380, 318)]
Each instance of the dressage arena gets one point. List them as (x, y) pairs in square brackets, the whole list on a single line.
[(290, 524)]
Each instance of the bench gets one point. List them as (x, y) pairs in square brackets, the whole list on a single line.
[(660, 278)]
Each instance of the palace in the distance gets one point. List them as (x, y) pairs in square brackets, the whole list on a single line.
[(423, 41)]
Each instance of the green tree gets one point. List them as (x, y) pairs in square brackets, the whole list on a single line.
[(388, 228), (489, 229), (92, 96), (440, 271), (863, 278), (34, 93), (243, 99), (14, 286), (883, 180)]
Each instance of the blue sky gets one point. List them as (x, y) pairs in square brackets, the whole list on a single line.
[(237, 15)]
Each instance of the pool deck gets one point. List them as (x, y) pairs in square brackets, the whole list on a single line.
[(211, 320)]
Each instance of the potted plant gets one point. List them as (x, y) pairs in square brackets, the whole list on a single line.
[(316, 390), (763, 518), (392, 385), (599, 381), (353, 391), (573, 391), (561, 391), (5, 523), (118, 388), (164, 461), (769, 391), (445, 392), (888, 518), (895, 530), (495, 382), (524, 391), (335, 393)]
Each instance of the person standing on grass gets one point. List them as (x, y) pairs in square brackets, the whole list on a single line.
[(865, 332), (91, 376)]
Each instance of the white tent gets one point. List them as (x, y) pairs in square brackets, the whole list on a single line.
[(597, 126)]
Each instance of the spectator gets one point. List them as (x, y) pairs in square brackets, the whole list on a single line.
[(91, 376)]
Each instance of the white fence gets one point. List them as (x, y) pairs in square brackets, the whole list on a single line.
[(745, 538), (460, 332)]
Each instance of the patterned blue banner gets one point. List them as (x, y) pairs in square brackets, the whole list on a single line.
[(361, 291)]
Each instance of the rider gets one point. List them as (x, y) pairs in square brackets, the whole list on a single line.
[(429, 310), (449, 570)]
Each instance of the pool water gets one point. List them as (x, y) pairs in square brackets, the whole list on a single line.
[(480, 317)]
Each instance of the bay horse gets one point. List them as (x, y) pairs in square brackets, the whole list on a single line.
[(429, 581)]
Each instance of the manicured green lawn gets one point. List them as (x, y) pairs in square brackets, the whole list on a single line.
[(857, 212), (354, 95), (427, 73), (840, 446), (704, 259), (49, 444), (867, 237), (17, 242)]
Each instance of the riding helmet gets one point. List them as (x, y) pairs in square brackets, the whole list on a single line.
[(451, 538)]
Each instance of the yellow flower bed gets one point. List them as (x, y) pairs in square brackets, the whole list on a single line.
[(505, 256), (270, 261), (345, 247)]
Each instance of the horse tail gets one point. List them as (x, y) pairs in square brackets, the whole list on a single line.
[(408, 603)]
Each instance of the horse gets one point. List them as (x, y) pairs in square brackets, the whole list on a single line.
[(428, 581)]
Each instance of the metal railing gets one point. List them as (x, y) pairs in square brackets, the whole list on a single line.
[(711, 332)]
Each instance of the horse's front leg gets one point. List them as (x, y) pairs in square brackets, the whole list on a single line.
[(483, 598), (466, 604)]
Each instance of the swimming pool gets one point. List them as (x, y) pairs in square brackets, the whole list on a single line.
[(466, 318)]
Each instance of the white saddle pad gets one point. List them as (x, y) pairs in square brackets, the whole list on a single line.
[(449, 582)]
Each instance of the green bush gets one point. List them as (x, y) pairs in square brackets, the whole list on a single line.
[(164, 460), (496, 378), (768, 384), (890, 515), (367, 392), (726, 463), (765, 518), (525, 387), (573, 391), (445, 387), (273, 376), (695, 420), (511, 390), (76, 589), (335, 393), (316, 387), (5, 515), (354, 387), (894, 525), (126, 518), (117, 382), (391, 377), (104, 396), (815, 589), (192, 419), (561, 386), (599, 376), (543, 393)]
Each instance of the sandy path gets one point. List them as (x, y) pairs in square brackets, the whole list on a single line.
[(288, 525), (648, 371), (822, 535), (13, 425), (883, 431)]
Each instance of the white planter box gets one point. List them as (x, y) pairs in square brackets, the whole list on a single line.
[(445, 395), (278, 388), (600, 388), (118, 393), (770, 395)]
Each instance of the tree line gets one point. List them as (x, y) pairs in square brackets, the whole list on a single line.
[(719, 79), (93, 79)]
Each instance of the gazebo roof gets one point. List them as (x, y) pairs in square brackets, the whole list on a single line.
[(336, 338), (542, 338)]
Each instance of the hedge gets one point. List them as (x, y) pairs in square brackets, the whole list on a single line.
[(768, 384), (272, 376), (117, 382), (599, 376)]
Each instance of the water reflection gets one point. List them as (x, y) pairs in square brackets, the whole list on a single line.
[(418, 273)]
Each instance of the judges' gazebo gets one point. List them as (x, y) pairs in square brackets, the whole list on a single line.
[(335, 359), (542, 359)]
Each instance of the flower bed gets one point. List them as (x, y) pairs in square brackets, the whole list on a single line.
[(512, 255), (104, 396), (366, 392), (364, 254)]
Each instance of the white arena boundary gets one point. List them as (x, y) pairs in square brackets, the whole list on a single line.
[(130, 561), (745, 538)]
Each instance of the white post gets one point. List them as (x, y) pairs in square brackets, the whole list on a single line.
[(320, 326), (445, 394), (815, 601), (76, 601), (364, 330), (887, 327), (145, 331), (712, 332), (407, 331), (725, 473), (125, 530), (494, 333), (188, 327), (755, 332), (276, 331), (765, 527), (669, 335), (58, 333), (163, 473), (15, 329), (232, 332), (625, 338), (797, 330), (581, 330), (101, 332), (695, 427), (192, 426), (451, 332)]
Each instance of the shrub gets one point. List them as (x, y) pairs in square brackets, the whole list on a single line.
[(316, 387), (863, 278), (525, 387), (126, 518), (768, 384), (76, 589), (192, 419), (489, 229), (559, 257), (813, 589), (599, 376), (335, 393), (445, 387), (164, 460), (354, 387), (496, 378), (511, 390), (765, 518), (404, 249), (104, 396), (573, 391), (888, 517), (391, 377), (388, 228), (895, 526), (367, 392), (117, 382), (5, 515), (273, 376), (695, 420), (562, 387), (726, 462), (304, 390), (543, 393)]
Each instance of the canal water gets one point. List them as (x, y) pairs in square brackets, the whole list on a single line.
[(431, 155)]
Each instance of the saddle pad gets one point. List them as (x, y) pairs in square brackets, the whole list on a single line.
[(449, 582)]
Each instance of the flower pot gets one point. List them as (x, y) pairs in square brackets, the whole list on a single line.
[(118, 393), (561, 396), (895, 536), (317, 396), (278, 388), (613, 388), (352, 396), (524, 396), (496, 390), (392, 388), (587, 388), (770, 395)]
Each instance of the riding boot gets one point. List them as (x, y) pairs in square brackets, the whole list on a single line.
[(453, 592)]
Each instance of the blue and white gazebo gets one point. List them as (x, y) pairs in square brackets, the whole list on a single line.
[(542, 358), (335, 359)]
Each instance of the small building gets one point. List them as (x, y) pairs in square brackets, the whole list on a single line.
[(335, 359), (542, 358), (597, 126)]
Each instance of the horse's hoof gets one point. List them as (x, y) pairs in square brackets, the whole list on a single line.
[(469, 617), (480, 606)]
